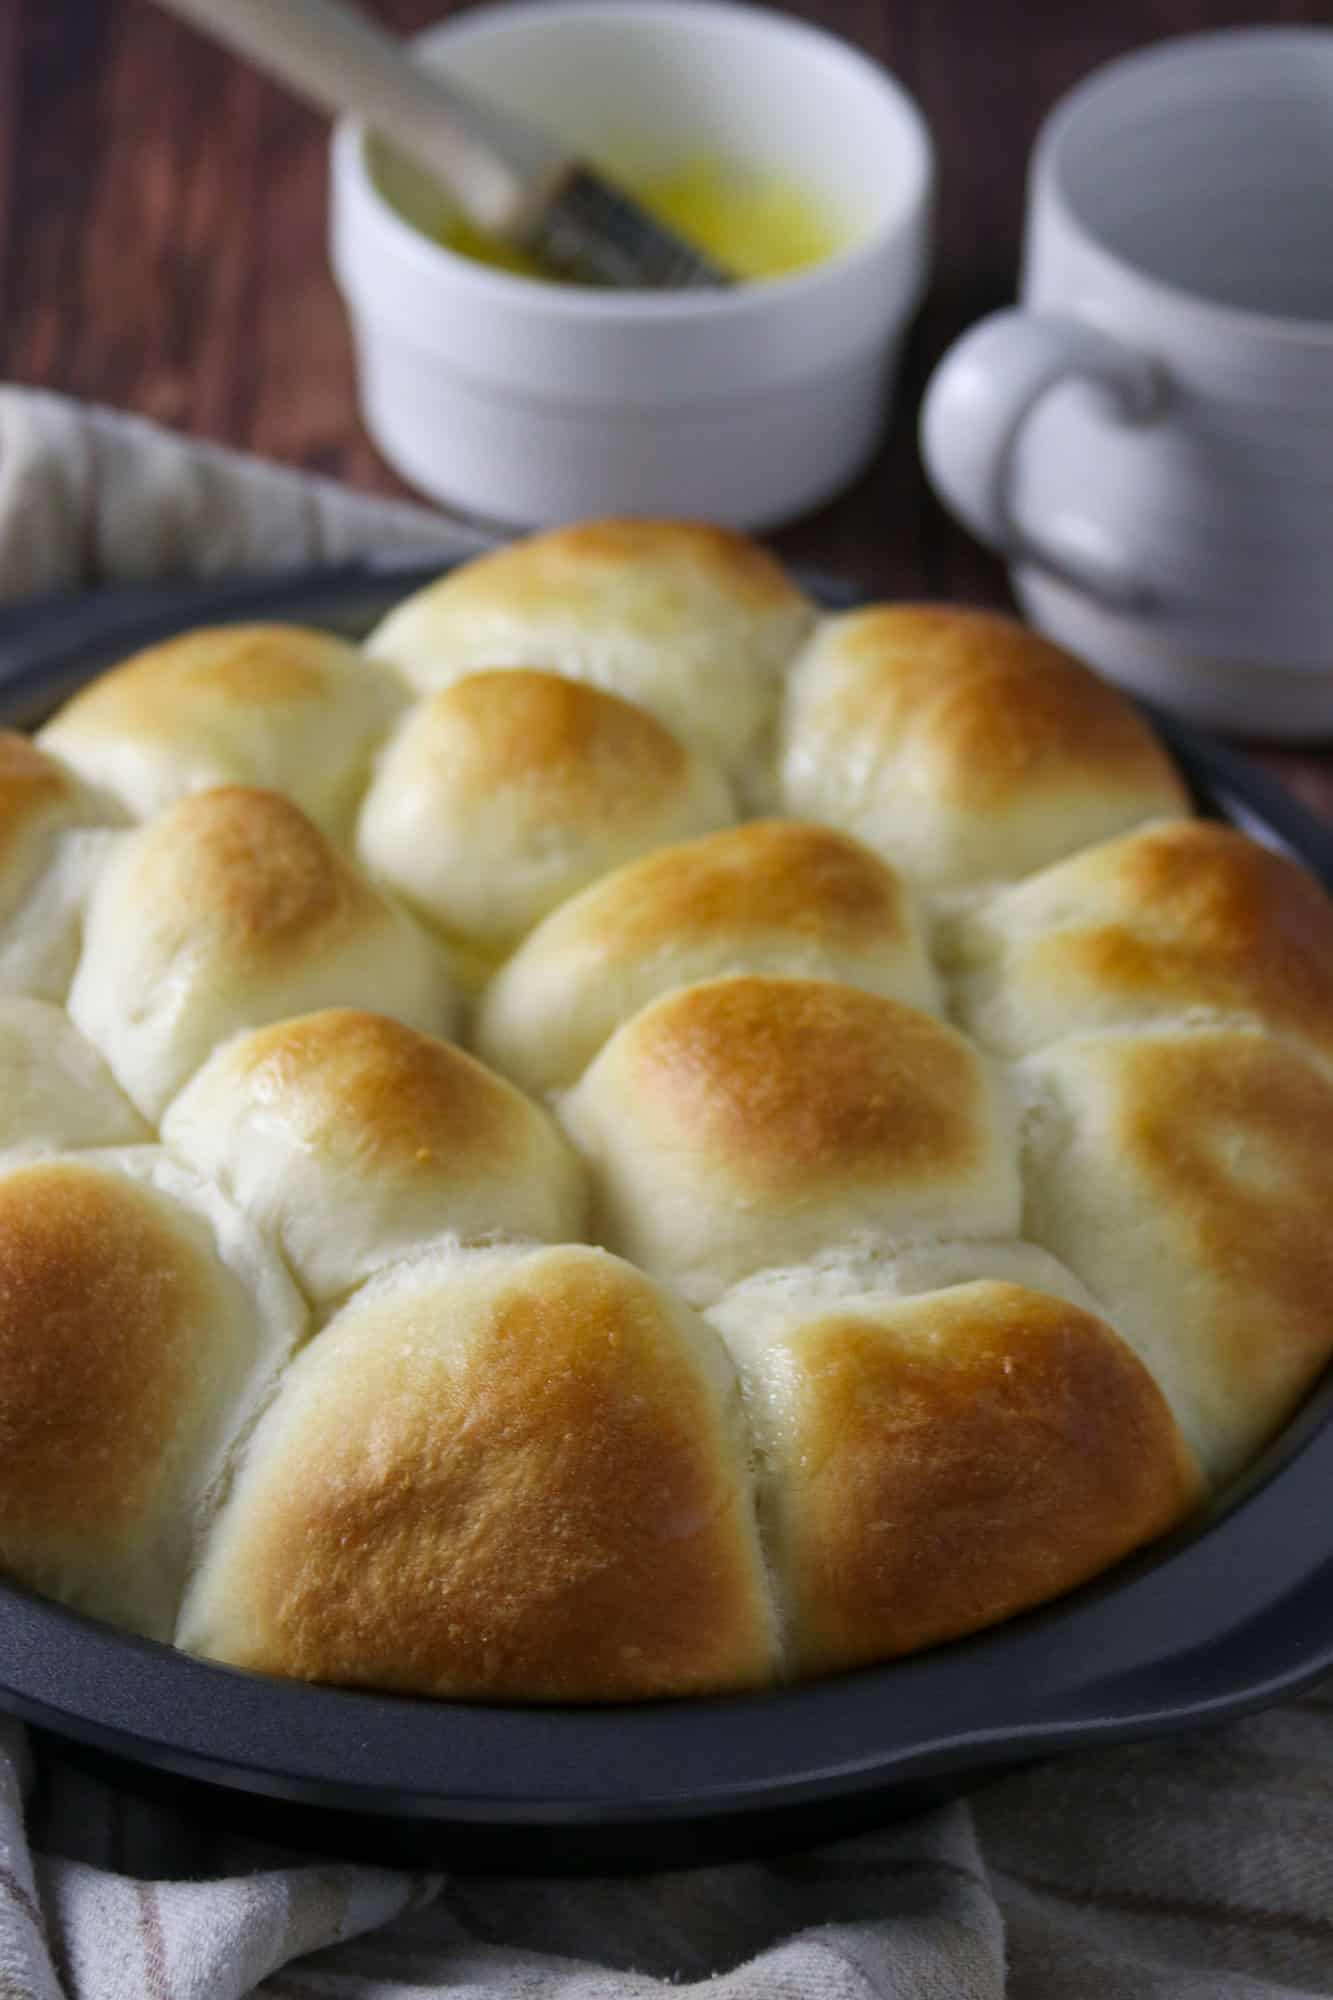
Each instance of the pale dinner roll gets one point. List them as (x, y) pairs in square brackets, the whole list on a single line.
[(513, 1474), (142, 1321), (51, 844), (294, 711), (750, 1122), (933, 1464), (355, 1140), (506, 792), (774, 897), (962, 746), (1187, 1179), (1186, 919), (693, 623), (56, 1093), (225, 912)]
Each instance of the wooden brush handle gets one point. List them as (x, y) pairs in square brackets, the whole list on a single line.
[(333, 56)]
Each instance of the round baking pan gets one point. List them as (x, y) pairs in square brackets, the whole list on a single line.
[(1227, 1615)]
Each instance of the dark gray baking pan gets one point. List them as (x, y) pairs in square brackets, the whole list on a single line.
[(1230, 1614)]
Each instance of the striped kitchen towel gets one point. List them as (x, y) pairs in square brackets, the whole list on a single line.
[(1200, 1869)]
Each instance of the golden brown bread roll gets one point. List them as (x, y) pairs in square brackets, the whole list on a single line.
[(933, 1464), (692, 623), (225, 912), (1187, 1179), (277, 706), (773, 897), (749, 1122), (142, 1321), (354, 1141), (513, 1474), (507, 792), (1183, 920), (962, 746), (51, 845)]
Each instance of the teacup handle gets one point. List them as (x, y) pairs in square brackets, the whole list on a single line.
[(975, 406)]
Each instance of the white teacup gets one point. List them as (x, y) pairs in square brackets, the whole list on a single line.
[(1149, 437)]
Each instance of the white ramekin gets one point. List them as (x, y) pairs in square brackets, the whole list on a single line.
[(536, 403)]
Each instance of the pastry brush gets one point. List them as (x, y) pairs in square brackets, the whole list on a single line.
[(510, 180)]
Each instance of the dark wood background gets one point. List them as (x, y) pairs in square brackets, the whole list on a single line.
[(162, 218)]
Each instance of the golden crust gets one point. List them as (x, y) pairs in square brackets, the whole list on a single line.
[(572, 565), (962, 746), (406, 1096), (767, 875), (250, 866), (356, 1141), (1187, 1179), (996, 708), (951, 1460), (228, 911), (1231, 1135), (33, 790), (1175, 919), (294, 710), (527, 1492), (790, 1083), (541, 737), (100, 1309), (222, 666)]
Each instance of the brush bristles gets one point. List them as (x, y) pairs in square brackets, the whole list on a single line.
[(592, 232)]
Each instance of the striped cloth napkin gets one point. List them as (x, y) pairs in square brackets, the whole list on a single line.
[(1198, 1869)]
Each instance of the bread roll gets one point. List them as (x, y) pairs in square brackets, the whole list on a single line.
[(1184, 919), (692, 623), (290, 710), (751, 1122), (511, 1474), (50, 848), (142, 1321), (963, 747), (355, 1140), (56, 1093), (934, 1464), (1187, 1178), (771, 897), (225, 912), (505, 793)]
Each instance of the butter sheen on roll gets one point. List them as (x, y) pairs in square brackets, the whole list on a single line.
[(748, 1122), (962, 746), (936, 1463), (1186, 1177), (1186, 921), (511, 1474), (355, 1141), (507, 792), (142, 1323), (276, 706), (227, 911), (771, 897)]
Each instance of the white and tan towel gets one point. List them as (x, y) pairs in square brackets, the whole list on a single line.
[(1198, 1869)]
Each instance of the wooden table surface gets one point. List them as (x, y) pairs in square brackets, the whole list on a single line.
[(162, 219)]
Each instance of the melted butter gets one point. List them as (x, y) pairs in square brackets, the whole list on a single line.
[(755, 224)]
